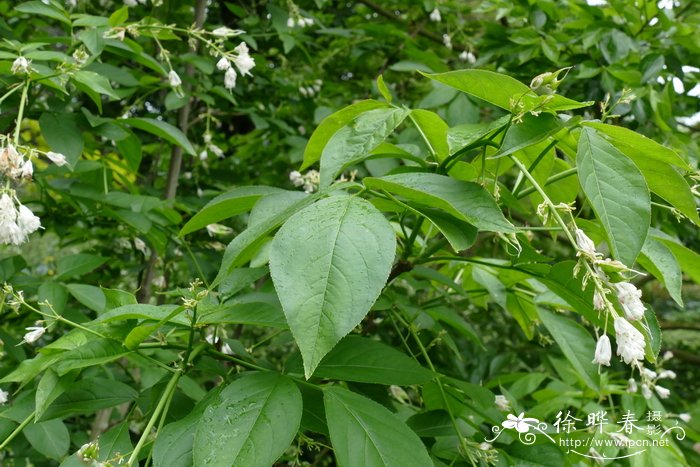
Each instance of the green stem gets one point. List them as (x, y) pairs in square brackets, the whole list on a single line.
[(17, 431), (20, 113), (554, 178)]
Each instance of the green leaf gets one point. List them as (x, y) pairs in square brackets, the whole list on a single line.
[(49, 388), (658, 259), (434, 130), (617, 192), (143, 311), (365, 360), (576, 344), (89, 295), (161, 129), (78, 265), (96, 351), (383, 89), (41, 9), (227, 205), (252, 423), (95, 82), (115, 441), (330, 125), (256, 313), (353, 142), (62, 134), (245, 244), (50, 438), (90, 395), (460, 235), (527, 133), (466, 201), (365, 433), (119, 16), (329, 262), (502, 90)]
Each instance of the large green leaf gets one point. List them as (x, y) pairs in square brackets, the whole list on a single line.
[(330, 125), (161, 129), (365, 360), (89, 395), (367, 434), (95, 352), (617, 192), (63, 135), (51, 438), (251, 424), (329, 262), (42, 9), (576, 344), (355, 141), (501, 90), (466, 201), (229, 204), (77, 265)]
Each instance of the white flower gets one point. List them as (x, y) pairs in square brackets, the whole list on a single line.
[(159, 282), (631, 385), (223, 31), (646, 392), (447, 41), (584, 243), (435, 16), (230, 78), (203, 155), (4, 396), (649, 374), (668, 355), (502, 403), (27, 221), (207, 137), (290, 22), (684, 416), (520, 423), (484, 446), (630, 299), (468, 57), (174, 79), (667, 374), (216, 150), (35, 332), (57, 158), (243, 60), (662, 392), (603, 351), (130, 3), (140, 245), (226, 349), (11, 161), (598, 300), (10, 233), (7, 208), (71, 4), (296, 178), (223, 64), (630, 342), (20, 66)]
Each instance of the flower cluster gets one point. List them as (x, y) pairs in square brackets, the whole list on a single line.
[(310, 180), (312, 90), (20, 66), (435, 16), (17, 221), (209, 146), (295, 19), (13, 165), (243, 61), (468, 57)]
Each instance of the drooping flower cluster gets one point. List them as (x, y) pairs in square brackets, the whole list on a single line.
[(630, 342), (312, 90), (17, 221), (13, 165), (300, 21), (243, 61), (468, 57)]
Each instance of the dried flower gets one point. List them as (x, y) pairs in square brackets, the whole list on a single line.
[(630, 342), (603, 351), (629, 297), (598, 300)]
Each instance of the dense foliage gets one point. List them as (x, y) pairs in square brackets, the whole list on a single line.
[(349, 233)]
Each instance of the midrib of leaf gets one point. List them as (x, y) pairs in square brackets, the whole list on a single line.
[(327, 276), (369, 432)]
